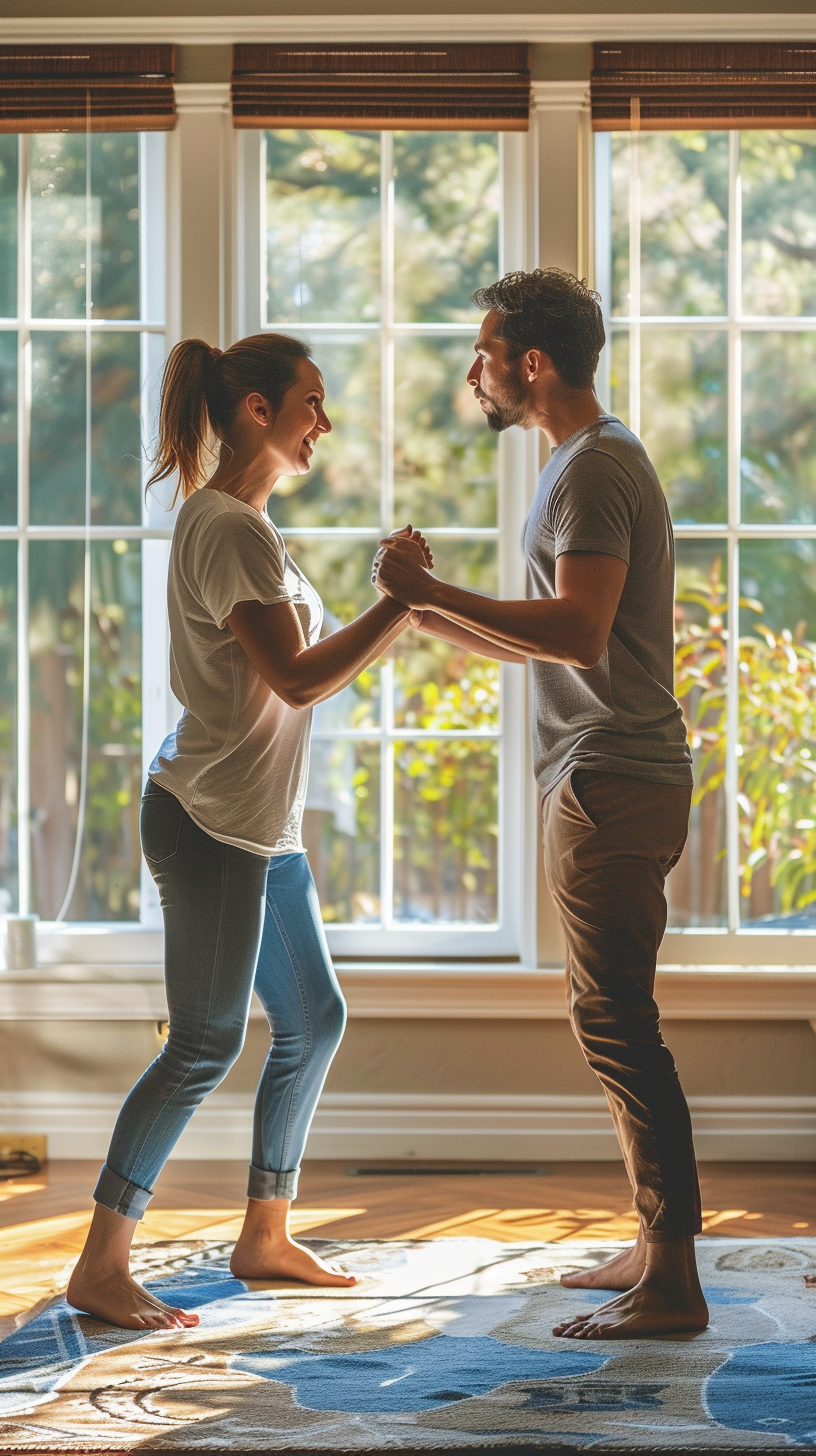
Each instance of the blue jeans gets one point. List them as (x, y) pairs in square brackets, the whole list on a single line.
[(234, 922)]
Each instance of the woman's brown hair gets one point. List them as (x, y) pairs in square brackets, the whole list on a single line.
[(202, 388)]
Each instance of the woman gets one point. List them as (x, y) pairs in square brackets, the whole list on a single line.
[(222, 810)]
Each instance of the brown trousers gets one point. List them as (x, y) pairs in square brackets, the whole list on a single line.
[(609, 843)]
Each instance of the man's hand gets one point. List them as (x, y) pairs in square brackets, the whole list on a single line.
[(401, 570), (409, 533)]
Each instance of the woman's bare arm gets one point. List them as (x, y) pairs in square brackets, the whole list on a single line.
[(436, 626), (273, 640)]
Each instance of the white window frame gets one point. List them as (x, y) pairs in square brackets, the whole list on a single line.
[(154, 530), (731, 944), (511, 937)]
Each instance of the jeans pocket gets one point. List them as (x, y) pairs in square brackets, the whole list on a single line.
[(574, 783), (160, 826)]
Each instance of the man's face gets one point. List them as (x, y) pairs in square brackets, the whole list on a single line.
[(497, 379)]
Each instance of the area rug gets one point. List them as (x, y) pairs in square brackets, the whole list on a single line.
[(442, 1344)]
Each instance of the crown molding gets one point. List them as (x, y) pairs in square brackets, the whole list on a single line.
[(562, 28)]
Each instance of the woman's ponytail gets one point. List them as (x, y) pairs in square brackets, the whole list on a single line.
[(186, 437), (201, 390)]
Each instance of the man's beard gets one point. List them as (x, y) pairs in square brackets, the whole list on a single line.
[(511, 410)]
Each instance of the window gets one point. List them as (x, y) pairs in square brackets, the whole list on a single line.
[(370, 246), (81, 331), (707, 267)]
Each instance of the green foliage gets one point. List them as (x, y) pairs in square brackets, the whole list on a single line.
[(777, 748)]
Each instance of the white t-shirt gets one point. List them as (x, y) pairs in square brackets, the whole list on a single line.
[(239, 757)]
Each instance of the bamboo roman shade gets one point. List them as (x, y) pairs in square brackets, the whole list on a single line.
[(79, 87), (717, 87), (389, 87)]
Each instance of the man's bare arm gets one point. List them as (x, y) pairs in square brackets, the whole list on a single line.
[(573, 627)]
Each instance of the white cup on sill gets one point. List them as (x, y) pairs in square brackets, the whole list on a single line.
[(21, 942)]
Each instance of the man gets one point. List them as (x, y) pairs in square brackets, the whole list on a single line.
[(610, 751)]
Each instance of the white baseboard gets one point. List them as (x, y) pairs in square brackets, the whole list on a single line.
[(397, 1125)]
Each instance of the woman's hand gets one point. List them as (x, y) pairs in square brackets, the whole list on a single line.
[(400, 570)]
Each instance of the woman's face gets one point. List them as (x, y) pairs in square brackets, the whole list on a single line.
[(300, 421)]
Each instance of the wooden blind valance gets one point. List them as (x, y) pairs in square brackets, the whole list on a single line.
[(73, 88), (716, 87), (389, 87)]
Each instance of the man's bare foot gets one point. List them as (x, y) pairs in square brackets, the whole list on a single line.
[(642, 1311), (266, 1250), (667, 1300), (622, 1272), (119, 1300), (284, 1259)]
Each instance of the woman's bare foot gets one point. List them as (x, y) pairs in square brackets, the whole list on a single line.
[(101, 1284), (119, 1300), (266, 1250), (667, 1300), (623, 1272)]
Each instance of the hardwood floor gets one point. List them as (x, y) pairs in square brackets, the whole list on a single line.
[(43, 1219)]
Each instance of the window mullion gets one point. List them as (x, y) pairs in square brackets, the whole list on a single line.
[(387, 514), (23, 457), (634, 284), (734, 456)]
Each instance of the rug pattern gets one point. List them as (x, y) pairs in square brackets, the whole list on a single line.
[(444, 1343)]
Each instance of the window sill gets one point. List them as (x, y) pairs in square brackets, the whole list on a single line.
[(393, 991)]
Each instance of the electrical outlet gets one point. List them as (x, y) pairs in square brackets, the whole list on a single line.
[(24, 1142)]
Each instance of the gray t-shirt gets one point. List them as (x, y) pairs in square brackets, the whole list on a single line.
[(599, 493)]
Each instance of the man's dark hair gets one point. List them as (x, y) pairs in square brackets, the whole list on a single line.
[(550, 310)]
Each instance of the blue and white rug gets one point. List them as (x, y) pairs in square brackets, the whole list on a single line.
[(443, 1343)]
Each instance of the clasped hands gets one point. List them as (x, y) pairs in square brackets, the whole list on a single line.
[(402, 568)]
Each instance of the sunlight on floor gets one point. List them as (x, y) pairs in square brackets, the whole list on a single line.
[(36, 1257), (13, 1190)]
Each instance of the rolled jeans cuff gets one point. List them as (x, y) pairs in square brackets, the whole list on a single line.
[(671, 1236), (120, 1194), (264, 1183)]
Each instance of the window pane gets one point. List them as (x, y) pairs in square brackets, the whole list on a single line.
[(446, 460), (446, 227), (619, 374), (8, 428), (8, 225), (343, 486), (341, 829), (8, 732), (61, 213), (683, 180), (684, 393), (116, 495), (108, 883), (621, 176), (778, 222), (441, 687), (778, 465), (446, 832), (777, 764), (59, 219), (697, 888), (322, 226), (340, 571), (115, 260), (58, 429)]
